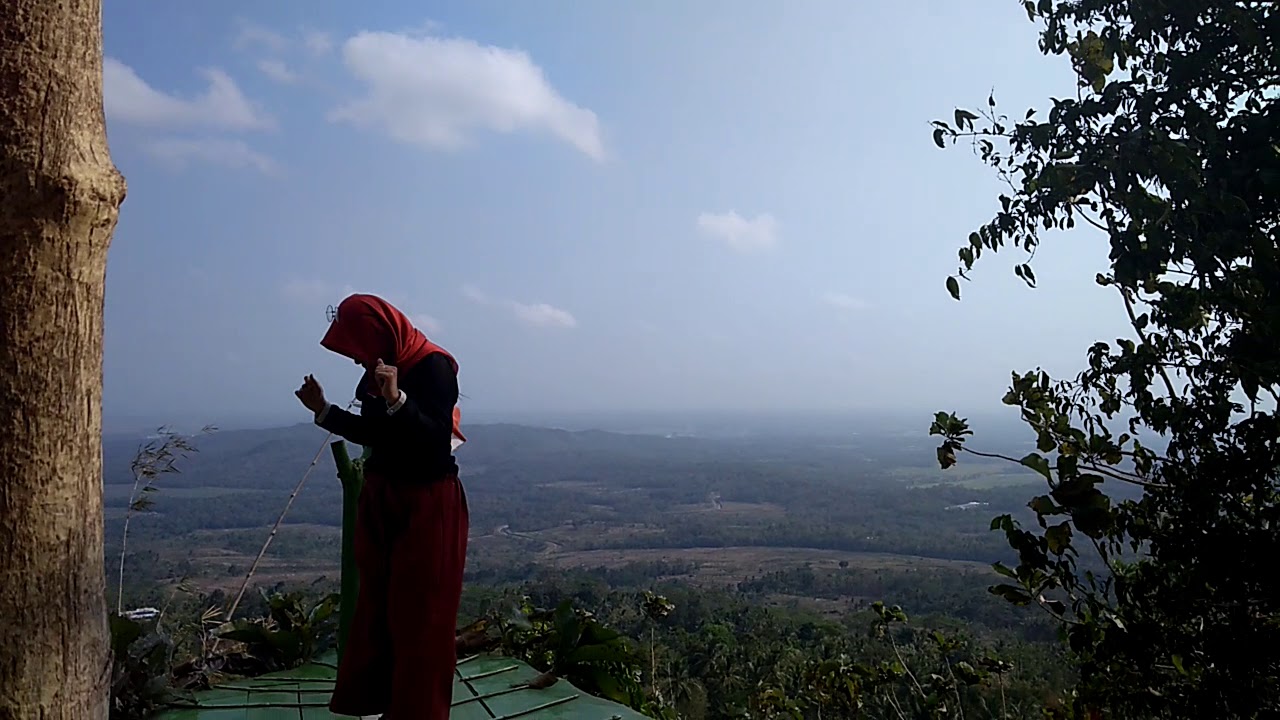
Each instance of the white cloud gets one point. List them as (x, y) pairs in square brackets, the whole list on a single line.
[(532, 314), (178, 153), (436, 93), (278, 71), (845, 302), (311, 291), (475, 294), (425, 323), (255, 36), (544, 315), (129, 99), (319, 43), (740, 233)]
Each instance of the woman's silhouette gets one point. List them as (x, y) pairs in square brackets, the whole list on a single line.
[(412, 523)]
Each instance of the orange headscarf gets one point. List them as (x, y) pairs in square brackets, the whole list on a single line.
[(368, 328)]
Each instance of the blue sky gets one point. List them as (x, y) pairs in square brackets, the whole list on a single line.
[(658, 206)]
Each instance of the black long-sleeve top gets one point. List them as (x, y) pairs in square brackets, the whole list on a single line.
[(413, 444)]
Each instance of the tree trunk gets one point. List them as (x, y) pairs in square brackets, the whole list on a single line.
[(59, 198)]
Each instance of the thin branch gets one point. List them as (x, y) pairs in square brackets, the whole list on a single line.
[(1040, 601), (276, 528), (1109, 472), (1093, 222), (1004, 702), (169, 601), (1106, 559), (892, 697), (994, 456), (1122, 477), (898, 653), (955, 686)]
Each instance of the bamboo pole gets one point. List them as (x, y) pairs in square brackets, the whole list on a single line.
[(271, 536), (352, 479)]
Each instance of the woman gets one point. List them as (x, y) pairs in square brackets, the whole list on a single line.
[(412, 522)]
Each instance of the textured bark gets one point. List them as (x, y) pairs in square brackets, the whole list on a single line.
[(59, 198)]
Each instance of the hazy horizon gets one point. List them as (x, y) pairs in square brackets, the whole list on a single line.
[(665, 209), (708, 424)]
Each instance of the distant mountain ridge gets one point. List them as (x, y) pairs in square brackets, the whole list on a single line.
[(270, 457), (229, 458)]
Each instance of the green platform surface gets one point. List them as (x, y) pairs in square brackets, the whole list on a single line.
[(482, 691)]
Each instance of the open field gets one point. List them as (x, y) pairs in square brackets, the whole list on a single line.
[(968, 474), (730, 564), (304, 553), (632, 510)]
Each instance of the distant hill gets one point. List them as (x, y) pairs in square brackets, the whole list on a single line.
[(278, 456)]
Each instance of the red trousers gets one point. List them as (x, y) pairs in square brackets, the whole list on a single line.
[(410, 548)]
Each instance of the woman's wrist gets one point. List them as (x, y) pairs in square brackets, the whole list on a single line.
[(395, 404)]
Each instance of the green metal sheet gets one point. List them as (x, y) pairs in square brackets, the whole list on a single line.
[(483, 691)]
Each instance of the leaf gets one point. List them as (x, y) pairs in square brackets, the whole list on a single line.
[(1015, 595), (939, 639), (567, 626), (953, 287), (1058, 537), (1004, 570), (1037, 462), (1092, 521), (937, 138), (946, 455), (1250, 386), (610, 686), (599, 653), (968, 673), (323, 610), (1043, 505), (1177, 664), (594, 632), (1045, 442)]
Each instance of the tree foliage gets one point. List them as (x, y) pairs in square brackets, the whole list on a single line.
[(712, 653), (1170, 150)]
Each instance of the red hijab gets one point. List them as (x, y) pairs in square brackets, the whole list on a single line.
[(368, 328)]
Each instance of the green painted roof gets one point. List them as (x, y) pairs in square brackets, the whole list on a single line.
[(483, 691)]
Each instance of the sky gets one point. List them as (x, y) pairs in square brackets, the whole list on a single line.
[(664, 207)]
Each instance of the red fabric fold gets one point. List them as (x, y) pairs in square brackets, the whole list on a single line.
[(411, 549)]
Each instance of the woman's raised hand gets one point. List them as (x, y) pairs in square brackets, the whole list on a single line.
[(388, 381), (311, 395)]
